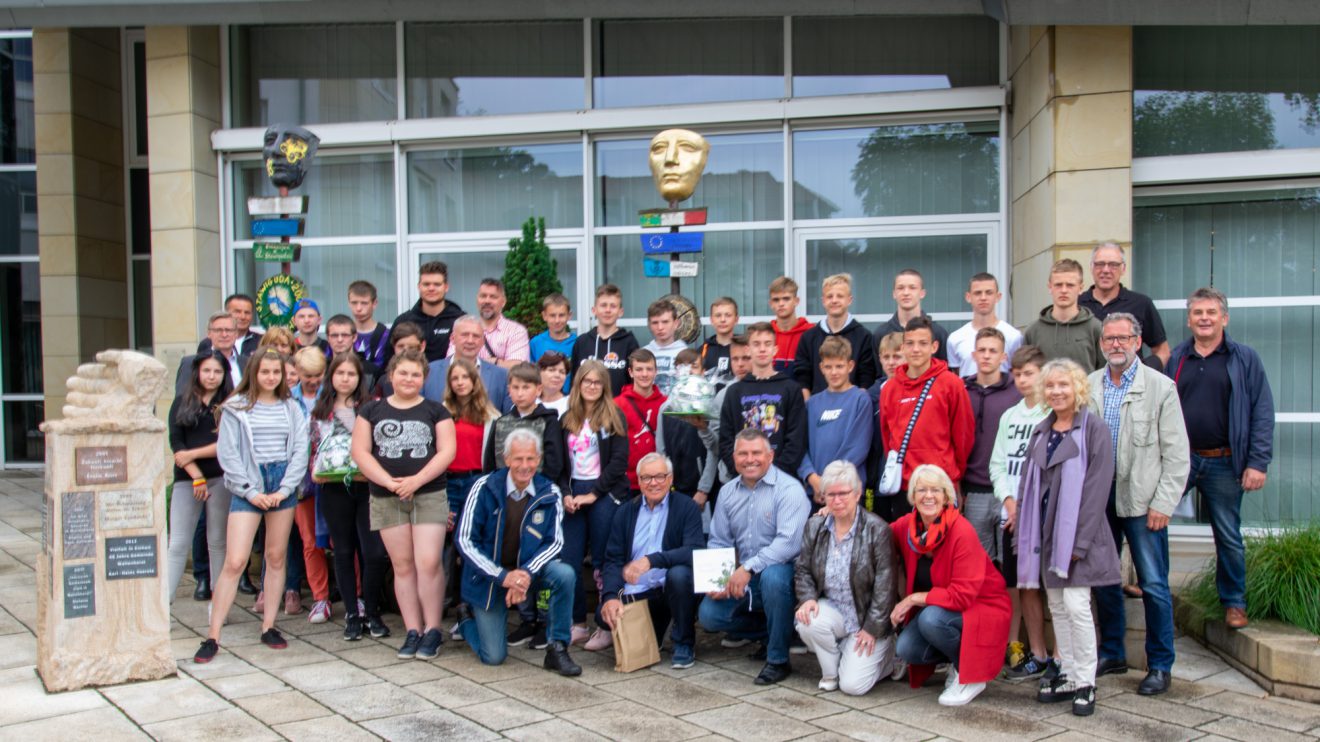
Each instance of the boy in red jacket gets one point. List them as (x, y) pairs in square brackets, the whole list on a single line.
[(788, 326), (640, 404), (946, 429)]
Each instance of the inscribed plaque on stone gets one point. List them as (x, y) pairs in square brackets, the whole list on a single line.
[(101, 464), (79, 590), (122, 509), (78, 515), (130, 557)]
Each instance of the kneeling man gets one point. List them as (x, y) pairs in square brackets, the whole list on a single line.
[(649, 556), (509, 534)]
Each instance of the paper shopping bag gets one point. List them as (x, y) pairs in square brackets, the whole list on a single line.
[(634, 638)]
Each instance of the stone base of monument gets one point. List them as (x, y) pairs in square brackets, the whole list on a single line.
[(102, 613)]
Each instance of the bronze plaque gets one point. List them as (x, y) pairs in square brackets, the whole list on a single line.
[(101, 465), (78, 516)]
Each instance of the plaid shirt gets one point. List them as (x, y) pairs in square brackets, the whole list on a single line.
[(1113, 399)]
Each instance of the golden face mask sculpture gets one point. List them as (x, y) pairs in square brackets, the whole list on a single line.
[(678, 157), (287, 153)]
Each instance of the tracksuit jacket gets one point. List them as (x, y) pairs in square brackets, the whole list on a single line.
[(481, 535)]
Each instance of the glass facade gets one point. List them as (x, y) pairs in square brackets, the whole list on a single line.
[(490, 188)]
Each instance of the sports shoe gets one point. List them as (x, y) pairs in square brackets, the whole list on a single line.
[(1017, 652), (206, 652), (729, 642), (539, 641), (578, 635), (430, 644), (410, 644), (260, 605), (684, 657), (521, 635), (1084, 701), (1029, 667), (463, 614), (951, 678), (900, 669), (960, 694), (352, 628), (1052, 669), (377, 627), (600, 639), (1056, 690), (828, 684), (274, 639), (320, 612), (292, 602)]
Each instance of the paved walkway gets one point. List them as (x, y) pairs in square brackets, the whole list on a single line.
[(323, 688)]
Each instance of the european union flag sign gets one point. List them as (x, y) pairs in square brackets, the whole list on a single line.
[(662, 243), (277, 227)]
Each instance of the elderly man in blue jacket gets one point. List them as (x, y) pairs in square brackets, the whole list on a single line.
[(510, 534), (649, 557), (1229, 411)]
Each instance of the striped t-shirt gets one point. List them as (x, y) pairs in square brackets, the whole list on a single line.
[(270, 432)]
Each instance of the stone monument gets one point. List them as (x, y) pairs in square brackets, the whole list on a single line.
[(102, 613)]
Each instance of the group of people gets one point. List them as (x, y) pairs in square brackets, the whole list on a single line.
[(897, 499)]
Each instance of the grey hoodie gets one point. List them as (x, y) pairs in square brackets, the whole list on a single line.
[(1077, 339), (235, 449)]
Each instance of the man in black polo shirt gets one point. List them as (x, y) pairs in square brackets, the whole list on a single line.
[(909, 290), (1108, 295), (1229, 411)]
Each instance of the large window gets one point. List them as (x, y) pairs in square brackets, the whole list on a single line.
[(1225, 89), (494, 188), (347, 195), (1265, 255)]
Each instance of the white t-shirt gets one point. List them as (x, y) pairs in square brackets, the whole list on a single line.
[(962, 343), (664, 364), (559, 405)]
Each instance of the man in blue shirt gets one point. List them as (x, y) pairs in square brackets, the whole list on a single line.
[(649, 557), (761, 514)]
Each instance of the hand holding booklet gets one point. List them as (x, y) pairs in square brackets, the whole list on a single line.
[(711, 569)]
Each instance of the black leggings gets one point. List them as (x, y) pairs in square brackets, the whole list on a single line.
[(345, 510)]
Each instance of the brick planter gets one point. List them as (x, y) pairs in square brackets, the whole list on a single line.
[(1280, 658)]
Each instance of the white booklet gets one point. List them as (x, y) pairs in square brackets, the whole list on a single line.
[(711, 569)]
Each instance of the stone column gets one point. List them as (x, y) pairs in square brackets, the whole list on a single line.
[(183, 108), (1070, 180), (80, 199), (102, 613)]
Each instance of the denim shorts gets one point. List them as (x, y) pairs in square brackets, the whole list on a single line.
[(271, 474)]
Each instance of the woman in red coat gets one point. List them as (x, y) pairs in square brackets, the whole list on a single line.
[(953, 592)]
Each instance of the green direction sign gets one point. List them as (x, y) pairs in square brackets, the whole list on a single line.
[(276, 252)]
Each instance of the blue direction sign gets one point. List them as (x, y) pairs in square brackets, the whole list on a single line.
[(662, 243), (277, 227)]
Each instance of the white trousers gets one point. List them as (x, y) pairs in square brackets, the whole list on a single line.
[(1074, 632), (837, 653)]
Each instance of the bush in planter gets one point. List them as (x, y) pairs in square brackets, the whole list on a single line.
[(1283, 579)]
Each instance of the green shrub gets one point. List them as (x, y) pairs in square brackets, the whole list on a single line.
[(1283, 578), (529, 276)]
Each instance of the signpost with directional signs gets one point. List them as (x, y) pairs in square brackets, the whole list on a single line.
[(672, 243)]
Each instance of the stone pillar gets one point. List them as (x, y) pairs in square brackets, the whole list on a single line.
[(102, 613), (1070, 180), (183, 108), (80, 199)]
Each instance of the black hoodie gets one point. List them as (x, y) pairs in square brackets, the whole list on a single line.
[(775, 406), (541, 421), (435, 329), (612, 351), (806, 368)]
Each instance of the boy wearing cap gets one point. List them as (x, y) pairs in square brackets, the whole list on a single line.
[(307, 323)]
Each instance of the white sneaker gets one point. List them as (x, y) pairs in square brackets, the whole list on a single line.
[(960, 694), (951, 679), (900, 670), (828, 684), (320, 612)]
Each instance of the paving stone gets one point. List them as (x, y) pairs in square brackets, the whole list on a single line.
[(432, 724), (297, 654), (1156, 707), (631, 721), (330, 641), (553, 730), (162, 700), (794, 704), (18, 650), (597, 667), (1248, 731), (408, 673), (223, 665), (9, 624), (247, 684), (1296, 716), (1121, 726), (372, 701), (743, 721), (225, 726), (370, 655), (102, 725), (25, 698), (975, 721), (857, 725), (454, 692), (505, 713), (335, 728), (1180, 691), (463, 661), (1197, 666), (1235, 681), (551, 692), (724, 681), (325, 676), (279, 708), (668, 694)]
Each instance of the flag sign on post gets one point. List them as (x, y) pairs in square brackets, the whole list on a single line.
[(669, 269), (277, 227), (276, 252), (276, 205), (671, 242), (673, 217)]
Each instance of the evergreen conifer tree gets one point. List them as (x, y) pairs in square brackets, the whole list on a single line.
[(530, 274)]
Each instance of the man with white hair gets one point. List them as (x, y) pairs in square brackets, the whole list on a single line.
[(649, 557), (466, 340), (510, 535)]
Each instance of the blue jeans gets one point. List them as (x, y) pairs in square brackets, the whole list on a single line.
[(271, 474), (1221, 494), (934, 636), (765, 613), (574, 554), (457, 488), (1150, 555), (674, 601), (486, 632)]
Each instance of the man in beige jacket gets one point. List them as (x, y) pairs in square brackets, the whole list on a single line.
[(1151, 464)]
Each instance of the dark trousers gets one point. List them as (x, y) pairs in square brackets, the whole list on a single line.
[(676, 602), (201, 557), (346, 512), (892, 507)]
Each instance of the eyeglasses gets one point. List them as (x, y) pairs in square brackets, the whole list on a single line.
[(1116, 339), (1112, 265), (590, 382), (652, 478)]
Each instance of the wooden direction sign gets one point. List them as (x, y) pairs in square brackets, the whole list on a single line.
[(277, 227), (670, 242), (277, 205), (669, 268), (276, 252), (673, 217)]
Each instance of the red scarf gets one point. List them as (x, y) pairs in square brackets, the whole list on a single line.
[(925, 539)]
